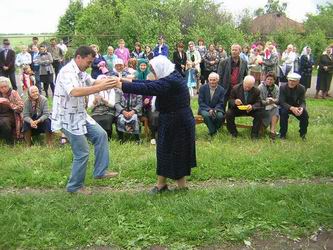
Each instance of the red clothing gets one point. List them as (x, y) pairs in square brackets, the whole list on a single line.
[(234, 76)]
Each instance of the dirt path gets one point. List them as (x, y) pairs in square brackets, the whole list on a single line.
[(192, 186)]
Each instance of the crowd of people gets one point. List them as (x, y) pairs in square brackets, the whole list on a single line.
[(209, 66), (254, 81)]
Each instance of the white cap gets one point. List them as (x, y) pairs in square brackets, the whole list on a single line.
[(293, 76)]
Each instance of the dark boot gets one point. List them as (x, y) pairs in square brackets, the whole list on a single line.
[(27, 137)]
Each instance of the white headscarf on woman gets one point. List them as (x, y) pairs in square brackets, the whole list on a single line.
[(305, 52), (162, 66)]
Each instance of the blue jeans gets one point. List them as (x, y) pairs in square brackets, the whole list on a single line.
[(80, 148)]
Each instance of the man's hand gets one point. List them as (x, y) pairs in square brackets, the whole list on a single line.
[(116, 82), (5, 67), (296, 111), (249, 108), (238, 102), (108, 83), (211, 111)]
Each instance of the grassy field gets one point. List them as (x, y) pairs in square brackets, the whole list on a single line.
[(36, 212), (17, 41)]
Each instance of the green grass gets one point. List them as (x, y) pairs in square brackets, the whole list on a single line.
[(210, 215), (181, 221), (221, 158), (17, 41)]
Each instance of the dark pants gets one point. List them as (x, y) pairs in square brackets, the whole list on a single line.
[(234, 112), (153, 122), (57, 66), (11, 76), (105, 121), (213, 123), (47, 81), (6, 131), (303, 122), (202, 70)]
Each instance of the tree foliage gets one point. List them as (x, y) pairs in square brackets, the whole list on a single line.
[(67, 22), (103, 22), (322, 21), (272, 6)]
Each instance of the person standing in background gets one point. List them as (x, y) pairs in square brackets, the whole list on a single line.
[(7, 63), (57, 56)]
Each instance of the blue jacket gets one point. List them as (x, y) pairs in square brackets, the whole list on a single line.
[(164, 50), (206, 103)]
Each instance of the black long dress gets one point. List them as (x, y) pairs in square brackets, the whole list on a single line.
[(306, 70), (176, 132)]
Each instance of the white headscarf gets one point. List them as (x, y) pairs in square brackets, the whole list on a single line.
[(305, 51), (162, 66)]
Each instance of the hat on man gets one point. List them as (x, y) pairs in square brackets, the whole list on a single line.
[(293, 76)]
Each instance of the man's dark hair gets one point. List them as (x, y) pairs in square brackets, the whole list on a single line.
[(271, 74), (84, 51), (35, 38)]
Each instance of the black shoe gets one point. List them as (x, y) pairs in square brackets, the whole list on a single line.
[(254, 136), (156, 190), (303, 137), (234, 135), (283, 137)]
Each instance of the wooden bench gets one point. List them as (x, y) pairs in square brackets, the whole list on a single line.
[(199, 119)]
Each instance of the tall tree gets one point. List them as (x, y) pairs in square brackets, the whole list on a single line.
[(67, 22), (272, 6), (323, 20)]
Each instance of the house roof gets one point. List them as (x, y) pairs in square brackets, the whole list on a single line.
[(274, 22)]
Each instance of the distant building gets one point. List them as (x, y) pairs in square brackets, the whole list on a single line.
[(274, 22)]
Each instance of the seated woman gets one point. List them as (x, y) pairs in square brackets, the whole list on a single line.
[(132, 63), (119, 69), (36, 116), (11, 107), (128, 112), (149, 108), (102, 105), (269, 95)]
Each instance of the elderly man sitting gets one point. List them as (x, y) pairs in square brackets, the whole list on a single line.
[(36, 116), (211, 98), (245, 101), (292, 101)]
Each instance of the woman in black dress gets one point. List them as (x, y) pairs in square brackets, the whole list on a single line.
[(176, 132), (305, 67)]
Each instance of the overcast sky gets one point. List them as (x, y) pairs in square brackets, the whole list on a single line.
[(36, 16)]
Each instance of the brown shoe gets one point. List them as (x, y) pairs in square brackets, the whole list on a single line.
[(83, 190), (107, 175)]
